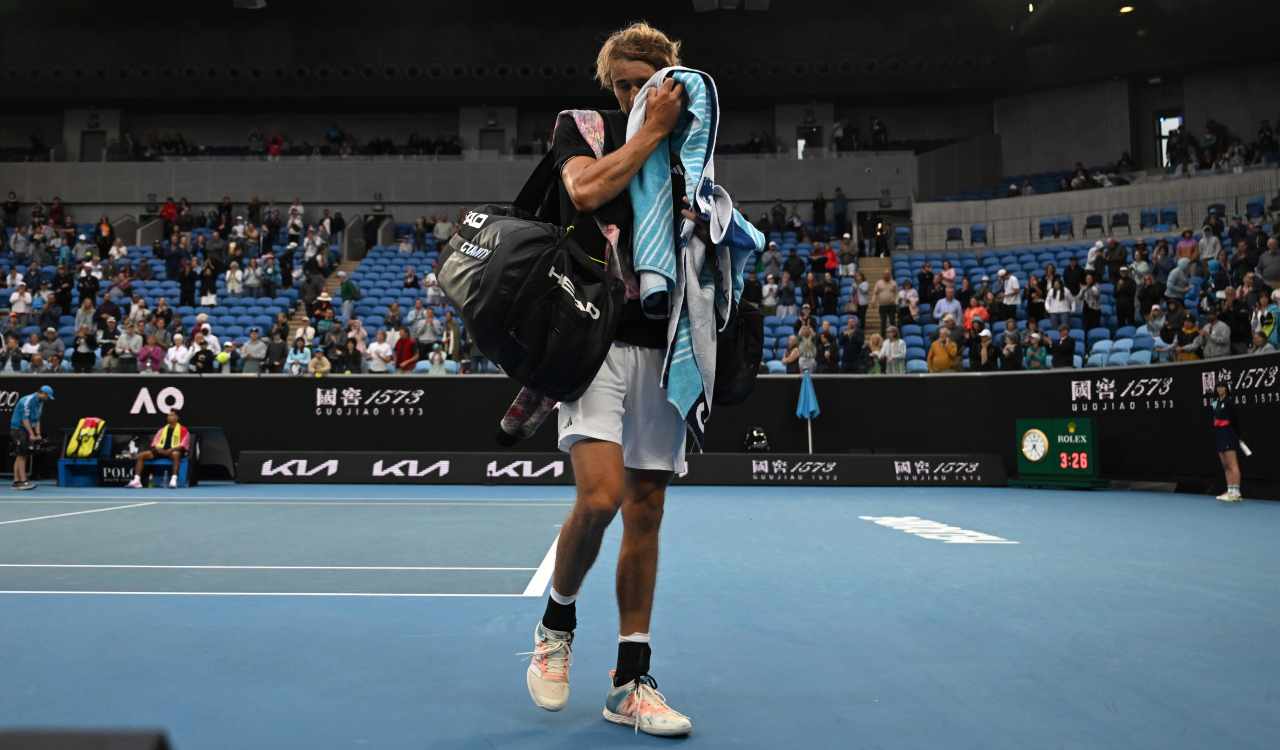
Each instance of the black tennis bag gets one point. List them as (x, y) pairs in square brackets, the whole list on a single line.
[(739, 350), (533, 301)]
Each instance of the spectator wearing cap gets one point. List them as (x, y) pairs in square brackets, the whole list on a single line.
[(12, 324), (771, 260), (84, 249), (769, 295), (350, 293), (150, 356), (1010, 294), (1037, 355), (944, 353), (1064, 350), (948, 305), (254, 352), (51, 345), (20, 302), (108, 336), (984, 357), (1126, 298), (203, 355)]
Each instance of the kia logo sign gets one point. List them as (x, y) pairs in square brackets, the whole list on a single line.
[(523, 470), (409, 468), (165, 401), (299, 467)]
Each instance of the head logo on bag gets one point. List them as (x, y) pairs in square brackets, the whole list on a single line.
[(566, 284)]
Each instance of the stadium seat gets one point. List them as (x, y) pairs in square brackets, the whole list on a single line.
[(1097, 360), (1169, 215), (1126, 332), (954, 234), (917, 366), (1100, 347), (1122, 345), (1140, 357), (916, 352), (1148, 218), (1097, 334), (1120, 219), (775, 367), (978, 234), (1047, 228), (1143, 343), (1118, 359), (1065, 227), (1094, 221), (1255, 208)]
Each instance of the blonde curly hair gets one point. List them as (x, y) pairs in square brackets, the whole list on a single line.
[(639, 41)]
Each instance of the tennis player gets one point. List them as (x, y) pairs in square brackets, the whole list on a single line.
[(1227, 440), (623, 438)]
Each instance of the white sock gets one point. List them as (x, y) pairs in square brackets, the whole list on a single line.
[(634, 638), (561, 599), (1233, 488)]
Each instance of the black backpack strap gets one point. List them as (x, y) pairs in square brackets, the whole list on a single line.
[(534, 194)]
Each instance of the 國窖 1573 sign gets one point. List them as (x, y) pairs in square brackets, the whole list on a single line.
[(1061, 451)]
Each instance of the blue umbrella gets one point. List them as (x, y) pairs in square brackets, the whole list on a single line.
[(807, 405)]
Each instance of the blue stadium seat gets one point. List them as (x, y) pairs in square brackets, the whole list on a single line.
[(1143, 343), (1097, 334), (1118, 359), (1142, 357), (954, 234), (977, 233), (1169, 215), (1100, 347), (1097, 360), (1077, 362), (917, 366), (1126, 332), (1122, 345), (916, 352), (775, 367)]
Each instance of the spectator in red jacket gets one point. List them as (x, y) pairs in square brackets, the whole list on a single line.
[(406, 351), (832, 265)]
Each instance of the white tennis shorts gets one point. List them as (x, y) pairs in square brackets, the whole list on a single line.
[(627, 405)]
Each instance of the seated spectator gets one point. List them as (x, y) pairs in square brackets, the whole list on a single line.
[(1216, 336), (893, 353), (32, 345), (318, 365), (1037, 355), (1189, 342), (944, 354), (1091, 296), (173, 441), (51, 346), (410, 280), (436, 360), (299, 359), (1064, 351), (1260, 345)]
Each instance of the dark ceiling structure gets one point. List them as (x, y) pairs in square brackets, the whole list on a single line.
[(62, 51)]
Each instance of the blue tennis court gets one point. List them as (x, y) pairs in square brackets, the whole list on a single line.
[(325, 617)]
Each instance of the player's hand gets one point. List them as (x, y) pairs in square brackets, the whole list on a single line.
[(663, 107)]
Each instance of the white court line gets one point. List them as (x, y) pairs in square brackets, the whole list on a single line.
[(538, 583), (346, 503), (77, 513), (356, 594), (266, 567)]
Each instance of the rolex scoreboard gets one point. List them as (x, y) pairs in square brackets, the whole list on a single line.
[(1057, 452)]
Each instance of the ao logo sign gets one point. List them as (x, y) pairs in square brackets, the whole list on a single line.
[(523, 470), (474, 219), (410, 468), (8, 400), (165, 401), (299, 467)]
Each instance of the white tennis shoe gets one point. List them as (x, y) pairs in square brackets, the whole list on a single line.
[(548, 673), (135, 483), (638, 704)]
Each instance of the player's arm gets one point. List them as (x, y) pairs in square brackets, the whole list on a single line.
[(591, 183)]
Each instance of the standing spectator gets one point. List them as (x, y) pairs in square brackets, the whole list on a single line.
[(1064, 351), (1091, 295), (84, 350), (254, 352), (848, 256), (828, 351), (908, 303), (350, 293), (886, 299), (277, 352), (791, 357), (975, 311), (852, 347), (861, 294), (1126, 298), (769, 295), (108, 335), (771, 260), (299, 358), (1267, 266), (406, 351), (948, 275), (187, 278), (381, 357), (944, 354), (11, 357), (1235, 313), (985, 357), (1011, 351), (875, 364), (893, 353), (948, 305), (20, 303), (1010, 294), (234, 280), (51, 346), (178, 358), (840, 213), (1216, 336), (1114, 257), (1073, 276), (808, 343), (819, 211), (1179, 281), (151, 356), (1209, 247), (786, 297), (779, 215), (208, 285), (1187, 247)]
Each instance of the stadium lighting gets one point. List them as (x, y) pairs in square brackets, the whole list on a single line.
[(1126, 9), (1031, 7)]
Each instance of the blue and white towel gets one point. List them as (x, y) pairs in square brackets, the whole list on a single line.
[(702, 283)]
